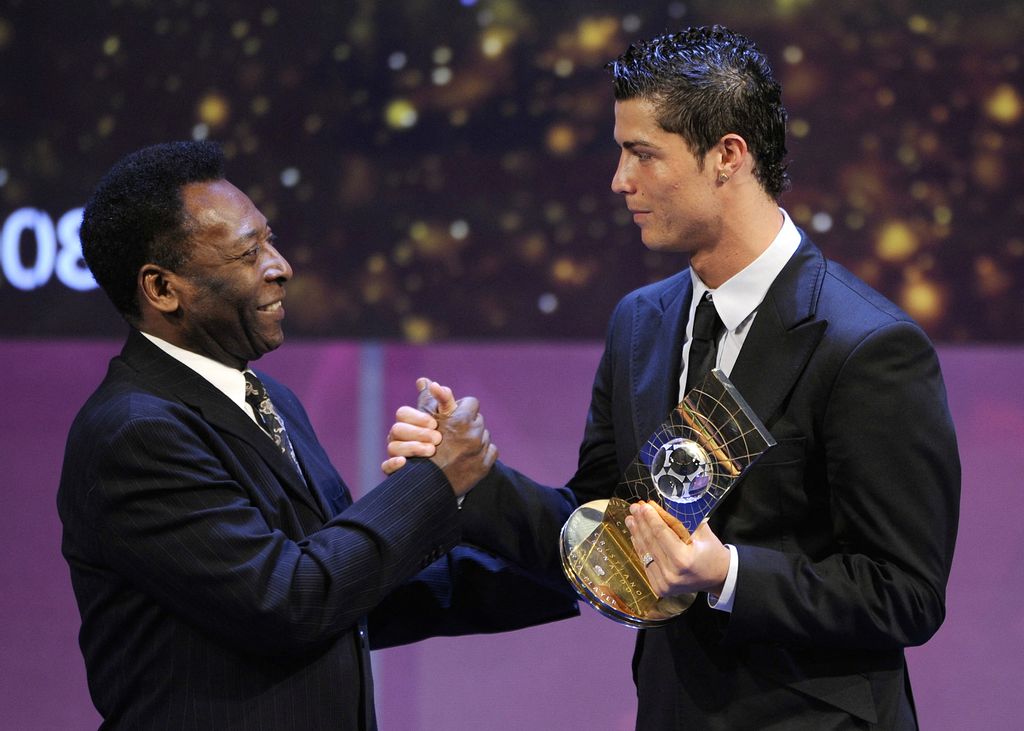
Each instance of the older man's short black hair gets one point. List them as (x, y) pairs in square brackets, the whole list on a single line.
[(136, 215)]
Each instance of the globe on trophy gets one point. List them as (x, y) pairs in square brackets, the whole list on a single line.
[(681, 470), (685, 469)]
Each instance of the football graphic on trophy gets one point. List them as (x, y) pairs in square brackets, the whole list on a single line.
[(681, 471)]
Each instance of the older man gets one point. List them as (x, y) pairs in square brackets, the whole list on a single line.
[(224, 575)]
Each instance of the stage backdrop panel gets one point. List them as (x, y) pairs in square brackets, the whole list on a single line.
[(571, 673), (968, 675)]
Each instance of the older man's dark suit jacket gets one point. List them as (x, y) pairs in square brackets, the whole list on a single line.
[(219, 589), (845, 530)]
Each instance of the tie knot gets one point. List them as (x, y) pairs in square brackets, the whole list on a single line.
[(254, 388), (257, 397), (707, 325)]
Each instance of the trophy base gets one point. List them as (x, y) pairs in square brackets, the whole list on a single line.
[(599, 560)]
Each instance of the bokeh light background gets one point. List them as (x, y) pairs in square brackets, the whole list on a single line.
[(439, 170)]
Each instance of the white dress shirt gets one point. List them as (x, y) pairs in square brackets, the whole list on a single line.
[(736, 302), (229, 381)]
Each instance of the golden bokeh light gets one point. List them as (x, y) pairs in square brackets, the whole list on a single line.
[(214, 109), (560, 139), (532, 248), (789, 8), (106, 125), (495, 41), (569, 272), (433, 240), (988, 170), (597, 34), (417, 329), (1004, 104), (922, 299), (400, 114), (990, 279), (920, 24), (896, 242)]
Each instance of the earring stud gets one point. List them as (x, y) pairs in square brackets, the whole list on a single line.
[(723, 177)]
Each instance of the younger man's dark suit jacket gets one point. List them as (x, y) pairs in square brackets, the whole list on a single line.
[(220, 589), (844, 531)]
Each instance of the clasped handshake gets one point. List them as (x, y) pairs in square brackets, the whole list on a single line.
[(452, 434)]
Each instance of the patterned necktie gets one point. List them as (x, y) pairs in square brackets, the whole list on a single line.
[(257, 397), (707, 328)]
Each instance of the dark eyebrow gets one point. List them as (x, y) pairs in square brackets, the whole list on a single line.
[(630, 144), (251, 235), (244, 242)]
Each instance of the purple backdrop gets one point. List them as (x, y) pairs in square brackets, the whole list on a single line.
[(573, 673)]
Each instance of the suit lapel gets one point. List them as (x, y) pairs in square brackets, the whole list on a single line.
[(780, 342), (171, 376), (656, 355), (783, 335)]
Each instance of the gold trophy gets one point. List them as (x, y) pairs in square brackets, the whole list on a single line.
[(686, 468)]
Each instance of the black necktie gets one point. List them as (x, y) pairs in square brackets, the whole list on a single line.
[(707, 328), (256, 396)]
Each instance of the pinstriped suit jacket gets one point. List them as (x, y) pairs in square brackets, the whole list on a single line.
[(218, 589)]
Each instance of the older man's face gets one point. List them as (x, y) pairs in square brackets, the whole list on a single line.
[(232, 288)]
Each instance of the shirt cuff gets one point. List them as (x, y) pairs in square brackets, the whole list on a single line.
[(723, 602)]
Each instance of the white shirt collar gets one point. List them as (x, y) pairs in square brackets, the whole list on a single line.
[(741, 294), (225, 379)]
